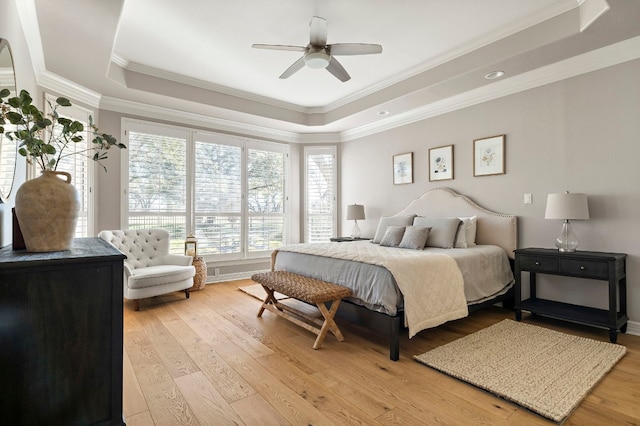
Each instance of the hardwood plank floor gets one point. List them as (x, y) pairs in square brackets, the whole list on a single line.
[(209, 360)]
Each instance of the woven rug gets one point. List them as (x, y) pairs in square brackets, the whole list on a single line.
[(258, 292), (543, 370)]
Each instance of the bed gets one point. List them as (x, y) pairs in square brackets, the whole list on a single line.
[(466, 265)]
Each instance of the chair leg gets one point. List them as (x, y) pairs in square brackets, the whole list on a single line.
[(186, 293), (136, 305)]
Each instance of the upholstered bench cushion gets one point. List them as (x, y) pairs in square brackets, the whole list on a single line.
[(310, 290), (159, 274)]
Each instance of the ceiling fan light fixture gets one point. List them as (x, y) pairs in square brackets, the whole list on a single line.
[(317, 60)]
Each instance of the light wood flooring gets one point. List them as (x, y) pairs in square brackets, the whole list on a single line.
[(209, 361)]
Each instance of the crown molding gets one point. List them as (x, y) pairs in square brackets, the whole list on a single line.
[(604, 57), (29, 22), (190, 81), (53, 82), (184, 117)]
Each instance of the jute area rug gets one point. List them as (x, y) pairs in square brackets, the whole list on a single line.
[(543, 370), (258, 292)]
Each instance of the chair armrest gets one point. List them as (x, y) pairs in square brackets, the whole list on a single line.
[(127, 270), (175, 259)]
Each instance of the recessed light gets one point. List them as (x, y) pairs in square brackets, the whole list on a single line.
[(494, 74), (383, 112)]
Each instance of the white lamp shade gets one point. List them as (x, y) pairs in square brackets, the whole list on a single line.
[(567, 206), (355, 212)]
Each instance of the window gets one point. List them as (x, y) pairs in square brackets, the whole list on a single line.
[(157, 181), (320, 193), (80, 167), (228, 190)]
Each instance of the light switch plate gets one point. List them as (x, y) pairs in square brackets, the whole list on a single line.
[(528, 198)]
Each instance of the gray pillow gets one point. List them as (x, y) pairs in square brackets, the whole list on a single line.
[(443, 230), (388, 221), (393, 236), (415, 237)]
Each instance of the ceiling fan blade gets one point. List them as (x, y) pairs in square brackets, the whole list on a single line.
[(338, 70), (278, 47), (294, 68), (354, 49), (318, 31)]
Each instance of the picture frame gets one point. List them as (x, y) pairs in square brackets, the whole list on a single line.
[(489, 156), (441, 163), (403, 168)]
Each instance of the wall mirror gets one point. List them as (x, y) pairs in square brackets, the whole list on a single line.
[(8, 148)]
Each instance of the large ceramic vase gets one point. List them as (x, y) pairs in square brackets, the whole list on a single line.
[(47, 211)]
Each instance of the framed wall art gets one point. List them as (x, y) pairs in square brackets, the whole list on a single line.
[(441, 163), (403, 168), (488, 156)]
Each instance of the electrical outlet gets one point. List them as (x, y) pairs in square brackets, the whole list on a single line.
[(216, 272), (527, 198)]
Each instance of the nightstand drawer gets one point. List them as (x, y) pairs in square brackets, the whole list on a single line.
[(538, 264), (585, 268)]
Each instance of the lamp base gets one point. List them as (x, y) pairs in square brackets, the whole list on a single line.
[(356, 230), (566, 241)]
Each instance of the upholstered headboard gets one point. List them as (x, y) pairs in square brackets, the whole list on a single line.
[(493, 228)]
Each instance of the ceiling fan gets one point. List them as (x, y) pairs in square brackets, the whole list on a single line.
[(319, 54)]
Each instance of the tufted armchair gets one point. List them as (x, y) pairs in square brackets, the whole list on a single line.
[(149, 269)]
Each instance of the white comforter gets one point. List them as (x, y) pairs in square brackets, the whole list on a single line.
[(431, 284)]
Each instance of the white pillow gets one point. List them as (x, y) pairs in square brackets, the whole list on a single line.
[(466, 236), (388, 221), (470, 225)]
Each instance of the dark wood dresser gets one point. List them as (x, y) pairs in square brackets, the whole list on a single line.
[(61, 331)]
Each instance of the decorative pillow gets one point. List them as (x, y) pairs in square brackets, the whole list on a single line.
[(393, 236), (443, 230), (391, 220), (470, 225), (415, 237)]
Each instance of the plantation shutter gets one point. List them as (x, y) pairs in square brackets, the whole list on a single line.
[(75, 161), (157, 192), (320, 193), (265, 196), (218, 194)]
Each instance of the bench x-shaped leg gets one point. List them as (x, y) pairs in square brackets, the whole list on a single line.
[(269, 300), (329, 323)]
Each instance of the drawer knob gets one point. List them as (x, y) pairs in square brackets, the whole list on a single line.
[(582, 268), (537, 263)]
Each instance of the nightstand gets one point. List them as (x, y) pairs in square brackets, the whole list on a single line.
[(346, 239), (610, 267)]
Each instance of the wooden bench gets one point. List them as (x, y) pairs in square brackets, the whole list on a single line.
[(309, 290)]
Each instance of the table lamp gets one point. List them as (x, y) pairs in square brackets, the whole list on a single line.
[(355, 212), (567, 206)]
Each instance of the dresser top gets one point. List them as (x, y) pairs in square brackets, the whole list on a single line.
[(82, 249)]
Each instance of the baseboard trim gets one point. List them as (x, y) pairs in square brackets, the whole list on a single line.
[(211, 279), (633, 327)]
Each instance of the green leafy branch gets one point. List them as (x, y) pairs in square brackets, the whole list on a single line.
[(45, 139)]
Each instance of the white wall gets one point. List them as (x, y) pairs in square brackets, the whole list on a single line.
[(581, 135)]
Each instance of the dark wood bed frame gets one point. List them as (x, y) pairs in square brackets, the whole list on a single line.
[(392, 326), (492, 228)]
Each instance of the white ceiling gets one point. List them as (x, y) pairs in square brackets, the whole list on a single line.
[(211, 40), (195, 56)]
